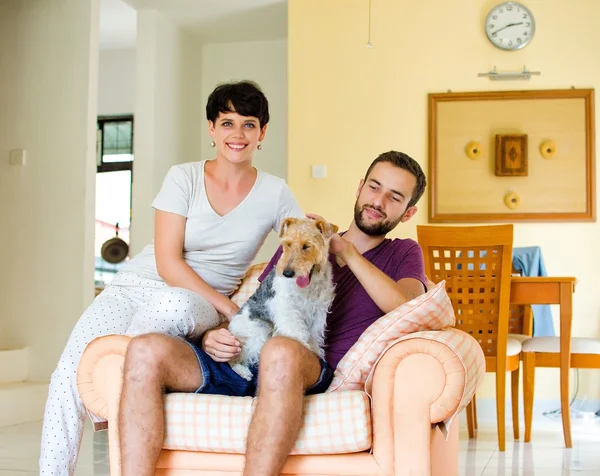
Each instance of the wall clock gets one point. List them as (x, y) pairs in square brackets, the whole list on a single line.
[(510, 26)]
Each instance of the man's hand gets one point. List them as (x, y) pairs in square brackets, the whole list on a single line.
[(338, 245), (221, 345), (314, 216)]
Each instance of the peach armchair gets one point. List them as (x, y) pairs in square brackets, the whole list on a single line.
[(401, 424)]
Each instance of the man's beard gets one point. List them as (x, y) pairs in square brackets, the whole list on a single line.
[(379, 229)]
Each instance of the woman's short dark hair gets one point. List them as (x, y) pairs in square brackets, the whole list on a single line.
[(242, 97), (403, 161)]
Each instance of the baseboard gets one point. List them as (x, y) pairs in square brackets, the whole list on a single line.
[(14, 365), (544, 411), (22, 402)]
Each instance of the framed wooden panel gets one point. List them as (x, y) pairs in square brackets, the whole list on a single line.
[(512, 156)]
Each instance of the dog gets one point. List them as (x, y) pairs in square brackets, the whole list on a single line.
[(294, 298)]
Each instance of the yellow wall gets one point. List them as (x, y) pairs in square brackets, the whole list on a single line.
[(348, 103)]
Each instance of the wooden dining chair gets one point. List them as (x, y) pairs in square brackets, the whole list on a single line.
[(580, 353), (520, 327), (476, 263)]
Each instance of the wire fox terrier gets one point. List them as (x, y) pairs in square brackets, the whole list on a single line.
[(294, 298)]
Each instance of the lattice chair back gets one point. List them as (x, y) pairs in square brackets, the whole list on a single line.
[(520, 320), (475, 262)]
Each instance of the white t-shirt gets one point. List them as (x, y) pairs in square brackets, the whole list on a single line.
[(219, 248)]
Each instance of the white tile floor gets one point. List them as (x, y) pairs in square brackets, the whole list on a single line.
[(544, 456)]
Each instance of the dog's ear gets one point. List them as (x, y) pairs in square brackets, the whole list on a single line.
[(285, 224), (328, 229)]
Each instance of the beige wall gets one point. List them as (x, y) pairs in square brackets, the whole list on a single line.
[(348, 103), (116, 82), (159, 102), (48, 81)]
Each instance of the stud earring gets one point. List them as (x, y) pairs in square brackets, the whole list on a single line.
[(212, 143), (259, 146)]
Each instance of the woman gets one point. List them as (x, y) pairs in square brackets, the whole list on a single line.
[(211, 218)]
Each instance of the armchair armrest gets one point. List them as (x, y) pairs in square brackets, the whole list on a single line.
[(423, 379), (99, 372), (99, 382)]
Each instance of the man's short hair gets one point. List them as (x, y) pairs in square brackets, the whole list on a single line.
[(403, 161), (244, 97)]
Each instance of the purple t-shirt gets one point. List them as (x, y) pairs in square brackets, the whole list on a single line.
[(352, 310)]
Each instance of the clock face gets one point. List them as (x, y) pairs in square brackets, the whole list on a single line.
[(510, 26)]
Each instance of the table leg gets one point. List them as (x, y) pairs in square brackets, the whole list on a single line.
[(566, 315)]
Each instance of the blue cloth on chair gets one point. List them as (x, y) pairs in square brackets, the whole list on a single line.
[(528, 260)]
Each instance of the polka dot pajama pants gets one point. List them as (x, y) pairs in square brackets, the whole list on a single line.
[(129, 305)]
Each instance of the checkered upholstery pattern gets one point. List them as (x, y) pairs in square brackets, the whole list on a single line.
[(429, 311), (335, 423), (249, 284)]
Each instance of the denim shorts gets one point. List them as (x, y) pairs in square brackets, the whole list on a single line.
[(218, 378)]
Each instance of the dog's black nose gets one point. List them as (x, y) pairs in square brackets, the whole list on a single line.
[(288, 273)]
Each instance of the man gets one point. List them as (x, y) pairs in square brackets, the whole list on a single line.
[(373, 276)]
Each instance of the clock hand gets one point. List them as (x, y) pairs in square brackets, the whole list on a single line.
[(508, 26)]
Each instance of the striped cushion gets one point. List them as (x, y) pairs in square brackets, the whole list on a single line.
[(429, 311), (333, 423)]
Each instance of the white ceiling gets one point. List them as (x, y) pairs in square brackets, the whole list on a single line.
[(118, 25), (211, 20)]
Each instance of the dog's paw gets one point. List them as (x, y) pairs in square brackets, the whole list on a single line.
[(243, 371)]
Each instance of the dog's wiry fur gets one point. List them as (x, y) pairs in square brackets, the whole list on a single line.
[(293, 299)]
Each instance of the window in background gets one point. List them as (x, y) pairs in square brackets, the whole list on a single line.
[(113, 189)]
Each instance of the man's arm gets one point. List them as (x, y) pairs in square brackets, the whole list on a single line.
[(385, 292)]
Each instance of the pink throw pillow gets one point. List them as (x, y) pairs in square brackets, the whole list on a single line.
[(428, 312)]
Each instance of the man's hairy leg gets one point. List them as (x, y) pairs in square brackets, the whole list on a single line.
[(153, 363), (287, 368)]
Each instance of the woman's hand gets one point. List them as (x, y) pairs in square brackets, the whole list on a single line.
[(221, 345)]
